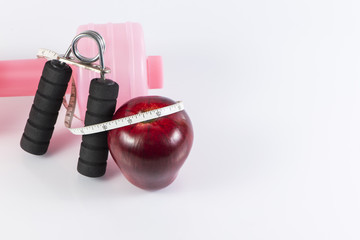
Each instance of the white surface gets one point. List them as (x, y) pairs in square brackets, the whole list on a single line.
[(272, 88)]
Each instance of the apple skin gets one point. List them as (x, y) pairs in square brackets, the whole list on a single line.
[(150, 154)]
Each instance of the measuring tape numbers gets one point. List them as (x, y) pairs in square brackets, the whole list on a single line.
[(126, 121)]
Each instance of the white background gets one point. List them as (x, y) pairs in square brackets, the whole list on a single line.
[(272, 88)]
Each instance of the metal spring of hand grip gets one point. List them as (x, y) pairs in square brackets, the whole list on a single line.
[(101, 46)]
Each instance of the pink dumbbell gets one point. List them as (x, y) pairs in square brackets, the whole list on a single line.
[(125, 55)]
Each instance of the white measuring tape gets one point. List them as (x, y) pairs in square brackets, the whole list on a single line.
[(118, 123), (126, 121)]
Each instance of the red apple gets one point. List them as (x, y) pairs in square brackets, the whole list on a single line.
[(151, 153)]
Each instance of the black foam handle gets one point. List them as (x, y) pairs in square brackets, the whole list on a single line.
[(45, 108), (100, 108)]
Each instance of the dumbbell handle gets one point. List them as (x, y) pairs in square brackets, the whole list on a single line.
[(20, 77)]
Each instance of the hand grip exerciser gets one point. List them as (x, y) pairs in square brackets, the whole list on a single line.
[(100, 105), (47, 102), (131, 68)]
